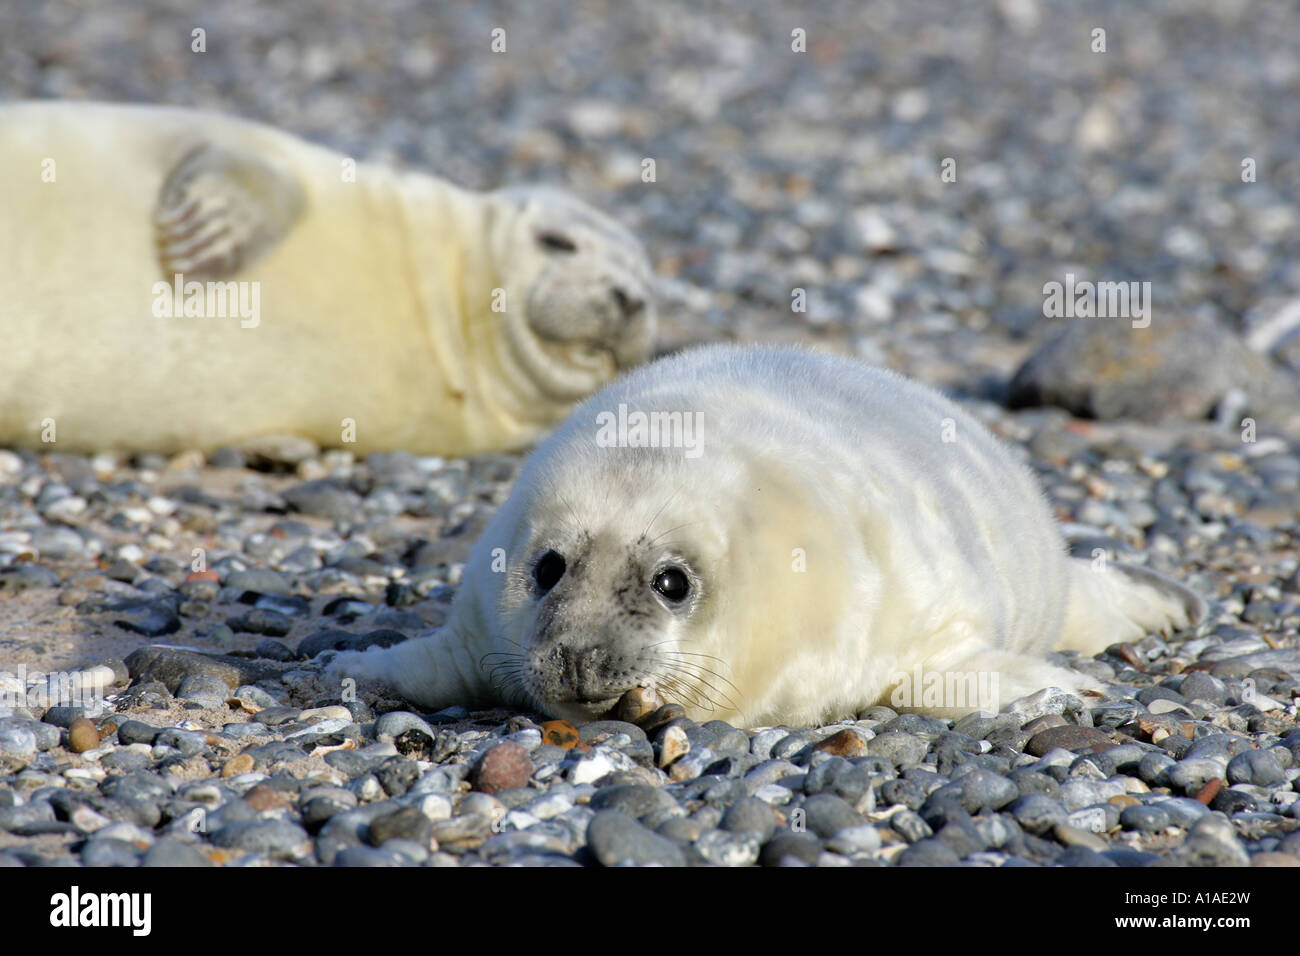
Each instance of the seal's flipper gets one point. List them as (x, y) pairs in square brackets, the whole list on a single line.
[(984, 679), (1123, 602), (220, 211), (434, 671)]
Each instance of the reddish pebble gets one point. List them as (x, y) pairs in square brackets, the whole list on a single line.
[(240, 763), (263, 798), (1129, 653), (845, 744), (560, 733), (1046, 722), (503, 767), (203, 576), (1209, 791), (637, 703)]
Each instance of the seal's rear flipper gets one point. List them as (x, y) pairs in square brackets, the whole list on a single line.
[(219, 211), (1116, 602)]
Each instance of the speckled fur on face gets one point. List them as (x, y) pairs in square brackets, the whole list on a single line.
[(598, 631)]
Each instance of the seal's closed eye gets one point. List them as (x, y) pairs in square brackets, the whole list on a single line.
[(555, 242)]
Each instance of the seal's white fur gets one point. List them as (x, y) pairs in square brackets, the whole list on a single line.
[(376, 296), (918, 552)]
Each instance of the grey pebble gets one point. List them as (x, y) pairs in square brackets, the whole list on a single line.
[(910, 826), (1145, 818), (276, 838), (323, 498), (900, 748), (172, 852), (259, 581), (397, 722), (205, 688), (1191, 774), (13, 818), (827, 814), (368, 856), (1258, 767), (407, 823), (636, 800), (19, 741), (136, 732), (982, 788), (188, 742), (1037, 813), (726, 848), (929, 852), (270, 623), (125, 761), (149, 619), (801, 847), (750, 814), (109, 852), (1183, 811), (1211, 842), (269, 647), (617, 838)]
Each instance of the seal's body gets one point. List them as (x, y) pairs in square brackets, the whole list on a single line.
[(821, 533), (175, 279)]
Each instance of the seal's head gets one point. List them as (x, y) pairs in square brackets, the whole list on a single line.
[(584, 281), (603, 597), (620, 565)]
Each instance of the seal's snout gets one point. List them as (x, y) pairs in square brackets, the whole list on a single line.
[(583, 672), (630, 304)]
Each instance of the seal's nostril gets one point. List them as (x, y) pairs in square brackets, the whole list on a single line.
[(627, 304)]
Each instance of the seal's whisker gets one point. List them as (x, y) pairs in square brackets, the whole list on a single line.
[(678, 653), (694, 699), (515, 643), (508, 655), (704, 670), (697, 687), (712, 657), (672, 697), (659, 537), (553, 488), (669, 501), (700, 669), (513, 675), (700, 681), (681, 688)]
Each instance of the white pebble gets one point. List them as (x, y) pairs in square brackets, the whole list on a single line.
[(774, 794), (435, 806)]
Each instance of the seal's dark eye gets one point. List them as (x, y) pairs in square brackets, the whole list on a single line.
[(556, 242), (673, 584), (549, 570)]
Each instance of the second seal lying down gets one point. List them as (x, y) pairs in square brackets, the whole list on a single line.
[(173, 279), (796, 536)]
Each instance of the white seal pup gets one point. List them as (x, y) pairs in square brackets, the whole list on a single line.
[(177, 279), (791, 537)]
